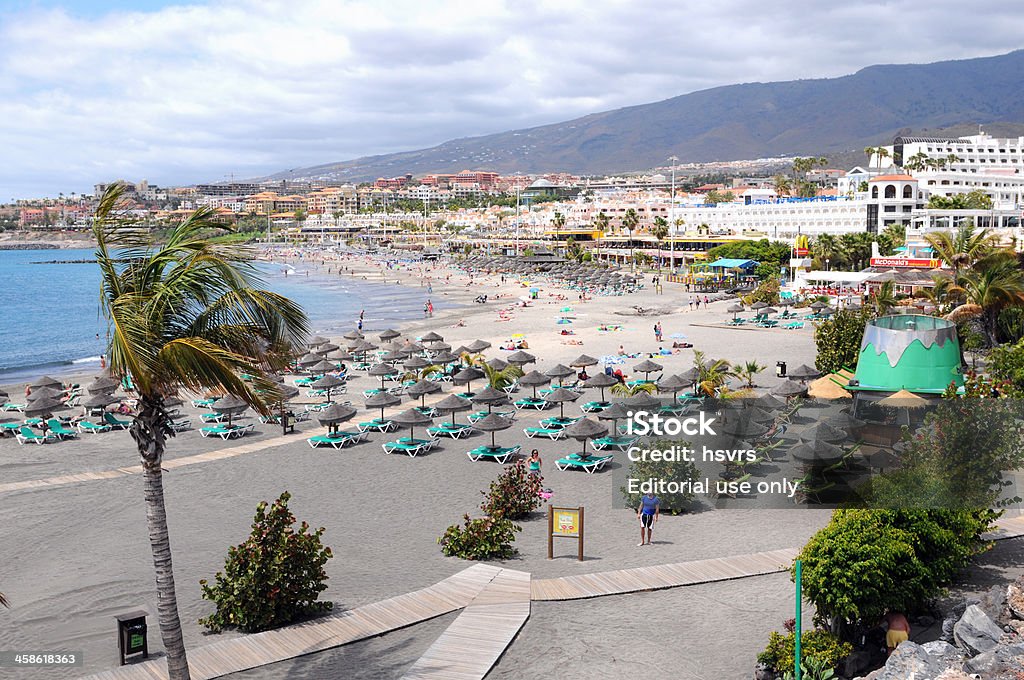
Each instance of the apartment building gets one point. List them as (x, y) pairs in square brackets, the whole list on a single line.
[(331, 200)]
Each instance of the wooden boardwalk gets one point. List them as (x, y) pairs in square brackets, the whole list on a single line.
[(260, 649), (662, 576), (475, 641)]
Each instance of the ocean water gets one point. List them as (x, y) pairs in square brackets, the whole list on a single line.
[(51, 320)]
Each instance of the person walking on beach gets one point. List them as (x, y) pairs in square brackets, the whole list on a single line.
[(647, 513), (691, 303), (697, 301), (657, 331), (533, 463), (430, 308), (426, 309), (706, 302)]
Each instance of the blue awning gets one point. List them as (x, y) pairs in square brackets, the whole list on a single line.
[(732, 263)]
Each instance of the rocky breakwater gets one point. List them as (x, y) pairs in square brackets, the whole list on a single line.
[(981, 638), (27, 245)]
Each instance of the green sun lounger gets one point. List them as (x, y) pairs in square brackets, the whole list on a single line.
[(530, 402), (502, 454), (213, 417), (92, 428), (456, 431), (620, 443), (557, 422), (412, 448), (595, 406), (110, 419), (26, 434), (590, 464), (57, 429), (14, 407), (9, 427), (226, 432), (377, 425), (337, 440), (473, 417), (551, 433)]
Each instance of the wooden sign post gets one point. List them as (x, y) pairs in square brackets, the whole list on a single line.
[(565, 523)]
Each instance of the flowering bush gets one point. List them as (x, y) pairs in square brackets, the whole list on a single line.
[(514, 494)]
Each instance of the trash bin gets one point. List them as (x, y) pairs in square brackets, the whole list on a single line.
[(780, 369), (131, 634)]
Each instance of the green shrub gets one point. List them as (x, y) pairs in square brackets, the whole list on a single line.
[(767, 292), (480, 539), (514, 494), (680, 471), (273, 578), (866, 561), (820, 645), (838, 339)]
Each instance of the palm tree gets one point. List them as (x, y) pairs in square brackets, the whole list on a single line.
[(712, 375), (884, 298), (994, 283), (624, 390), (962, 248), (558, 221), (499, 380), (601, 224), (185, 314), (782, 184), (919, 161), (659, 231), (825, 248), (630, 221), (938, 294), (747, 371)]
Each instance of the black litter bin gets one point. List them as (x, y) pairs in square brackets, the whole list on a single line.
[(780, 369), (131, 634)]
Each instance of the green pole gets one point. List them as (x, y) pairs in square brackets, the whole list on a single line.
[(799, 607)]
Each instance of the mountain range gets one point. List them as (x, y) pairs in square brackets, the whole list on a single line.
[(826, 116)]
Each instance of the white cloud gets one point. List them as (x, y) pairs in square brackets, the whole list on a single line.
[(193, 93)]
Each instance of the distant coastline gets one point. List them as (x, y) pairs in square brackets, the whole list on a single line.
[(27, 245)]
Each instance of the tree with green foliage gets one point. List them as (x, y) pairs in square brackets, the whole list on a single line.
[(715, 197), (188, 313), (712, 374), (273, 578), (972, 200), (961, 248), (762, 251), (767, 292), (514, 494), (992, 284), (679, 472), (838, 339), (867, 561), (558, 221), (883, 299), (747, 371)]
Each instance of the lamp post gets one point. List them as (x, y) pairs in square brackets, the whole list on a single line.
[(517, 216), (672, 215)]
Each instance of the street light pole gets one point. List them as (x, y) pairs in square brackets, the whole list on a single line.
[(672, 215), (517, 218)]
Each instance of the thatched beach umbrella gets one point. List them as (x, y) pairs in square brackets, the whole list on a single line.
[(583, 360), (439, 347), (803, 372), (903, 399), (392, 357), (99, 400), (745, 428), (230, 406), (560, 396), (690, 376), (641, 401), (43, 407), (382, 400), (759, 305), (816, 306), (492, 423), (497, 364), (826, 388), (735, 309), (822, 432), (339, 355), (389, 334), (478, 346), (422, 389), (354, 334), (673, 384), (844, 421), (601, 381), (334, 415), (490, 396), (560, 372), (647, 367), (466, 377), (325, 348), (411, 418), (534, 379), (453, 403), (614, 413), (102, 385), (444, 358), (45, 393), (47, 381), (382, 371), (327, 382), (818, 453), (307, 360), (789, 389), (322, 366), (316, 340), (520, 358), (769, 402), (431, 337), (585, 429)]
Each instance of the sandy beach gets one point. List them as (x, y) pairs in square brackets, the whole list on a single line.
[(82, 554)]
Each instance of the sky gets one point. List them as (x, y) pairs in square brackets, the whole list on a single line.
[(207, 91)]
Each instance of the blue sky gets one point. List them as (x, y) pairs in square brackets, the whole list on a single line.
[(179, 94)]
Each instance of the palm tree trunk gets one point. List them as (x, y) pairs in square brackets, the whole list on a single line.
[(150, 434)]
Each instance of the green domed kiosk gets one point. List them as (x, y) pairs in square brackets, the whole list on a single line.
[(912, 352)]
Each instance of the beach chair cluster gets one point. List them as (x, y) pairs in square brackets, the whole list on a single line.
[(550, 428), (337, 440), (226, 432)]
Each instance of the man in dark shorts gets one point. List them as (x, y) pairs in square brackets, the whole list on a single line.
[(647, 513)]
